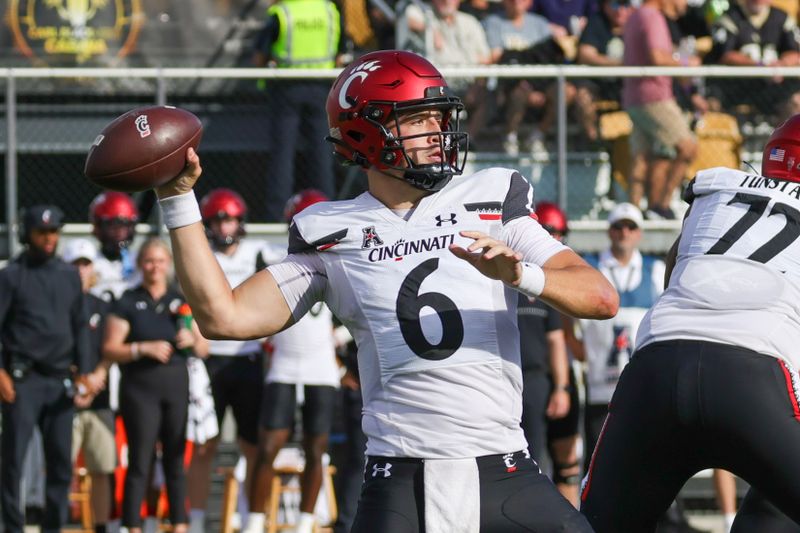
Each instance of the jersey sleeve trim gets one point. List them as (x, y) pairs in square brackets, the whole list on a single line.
[(298, 244), (519, 199)]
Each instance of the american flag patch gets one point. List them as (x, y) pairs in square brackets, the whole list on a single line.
[(777, 154)]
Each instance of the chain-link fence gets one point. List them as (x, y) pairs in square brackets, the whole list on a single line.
[(50, 117)]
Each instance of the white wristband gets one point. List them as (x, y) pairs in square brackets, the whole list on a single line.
[(180, 210), (135, 353), (532, 281)]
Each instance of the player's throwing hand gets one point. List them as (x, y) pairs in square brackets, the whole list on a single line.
[(495, 259)]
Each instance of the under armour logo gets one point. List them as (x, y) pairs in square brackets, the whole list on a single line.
[(511, 464), (385, 469), (370, 237), (440, 220)]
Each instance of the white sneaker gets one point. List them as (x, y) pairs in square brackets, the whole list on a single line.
[(536, 141), (511, 145)]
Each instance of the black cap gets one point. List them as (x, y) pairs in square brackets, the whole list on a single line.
[(43, 217)]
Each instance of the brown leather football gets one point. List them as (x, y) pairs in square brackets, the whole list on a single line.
[(142, 149)]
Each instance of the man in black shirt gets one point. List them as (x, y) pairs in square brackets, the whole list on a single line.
[(44, 333), (753, 33)]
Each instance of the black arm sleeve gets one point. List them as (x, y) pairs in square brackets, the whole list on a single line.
[(6, 297), (519, 199), (80, 332)]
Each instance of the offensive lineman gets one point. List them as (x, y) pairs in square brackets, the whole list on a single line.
[(713, 381), (422, 270)]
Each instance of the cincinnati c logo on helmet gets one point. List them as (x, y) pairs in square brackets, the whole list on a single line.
[(359, 73)]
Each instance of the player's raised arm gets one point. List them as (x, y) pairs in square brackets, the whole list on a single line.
[(254, 309)]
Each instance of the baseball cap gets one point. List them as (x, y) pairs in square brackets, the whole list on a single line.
[(43, 217), (79, 249), (626, 211)]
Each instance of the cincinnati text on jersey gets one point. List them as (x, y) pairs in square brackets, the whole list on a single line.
[(760, 182), (403, 248)]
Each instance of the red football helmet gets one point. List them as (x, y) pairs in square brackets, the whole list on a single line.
[(372, 92), (301, 200), (113, 216), (219, 204), (552, 218), (781, 157)]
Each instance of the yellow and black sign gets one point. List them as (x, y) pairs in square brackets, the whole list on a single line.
[(63, 32)]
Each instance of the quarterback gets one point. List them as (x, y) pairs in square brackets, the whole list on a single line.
[(422, 269)]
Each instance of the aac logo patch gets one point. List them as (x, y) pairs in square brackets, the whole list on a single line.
[(370, 238)]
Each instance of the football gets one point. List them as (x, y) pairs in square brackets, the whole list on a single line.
[(142, 149)]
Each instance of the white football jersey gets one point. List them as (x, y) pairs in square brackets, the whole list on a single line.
[(239, 266), (438, 345), (115, 277), (737, 275), (306, 353)]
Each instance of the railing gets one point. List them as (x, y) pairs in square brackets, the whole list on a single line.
[(163, 94)]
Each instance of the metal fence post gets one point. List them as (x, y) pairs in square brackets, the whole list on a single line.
[(11, 165), (161, 99), (562, 140)]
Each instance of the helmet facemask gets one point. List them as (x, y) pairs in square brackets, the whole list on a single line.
[(222, 240), (115, 234), (452, 142), (392, 155)]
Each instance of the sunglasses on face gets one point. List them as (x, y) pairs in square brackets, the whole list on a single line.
[(627, 224)]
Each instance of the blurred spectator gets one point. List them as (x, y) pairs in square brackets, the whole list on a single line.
[(383, 16), (299, 34), (303, 366), (235, 368), (689, 92), (359, 25), (751, 32), (449, 37), (45, 338), (566, 18), (510, 35), (480, 9), (662, 145), (146, 334), (521, 37), (93, 426), (601, 44)]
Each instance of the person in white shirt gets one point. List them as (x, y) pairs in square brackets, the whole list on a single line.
[(422, 270), (713, 380)]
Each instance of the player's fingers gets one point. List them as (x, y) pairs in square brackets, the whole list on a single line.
[(461, 253), (483, 242), (497, 251), (472, 234)]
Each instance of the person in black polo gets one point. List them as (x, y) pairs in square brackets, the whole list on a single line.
[(146, 334), (44, 333)]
